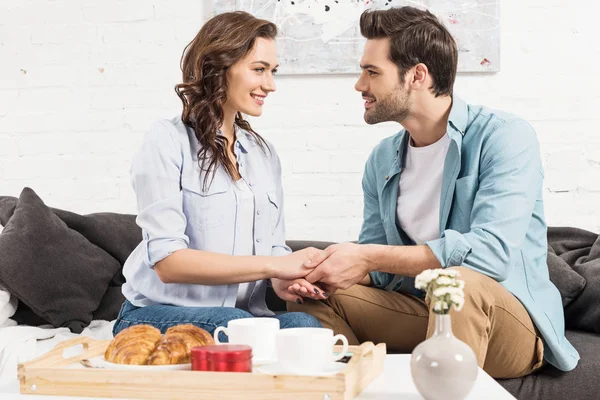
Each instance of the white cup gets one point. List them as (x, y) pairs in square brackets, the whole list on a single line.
[(308, 350), (258, 333)]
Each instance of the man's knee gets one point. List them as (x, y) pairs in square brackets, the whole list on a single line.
[(468, 274), (476, 280), (477, 286)]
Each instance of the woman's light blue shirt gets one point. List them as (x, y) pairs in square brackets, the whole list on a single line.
[(177, 212)]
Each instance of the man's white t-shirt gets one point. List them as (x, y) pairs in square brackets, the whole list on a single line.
[(420, 188)]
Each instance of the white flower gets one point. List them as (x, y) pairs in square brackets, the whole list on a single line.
[(421, 282), (444, 280), (438, 306), (459, 301), (448, 272), (444, 289)]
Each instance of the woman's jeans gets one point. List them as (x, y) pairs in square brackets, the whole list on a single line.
[(208, 318)]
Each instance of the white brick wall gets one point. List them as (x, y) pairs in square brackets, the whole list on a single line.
[(81, 81)]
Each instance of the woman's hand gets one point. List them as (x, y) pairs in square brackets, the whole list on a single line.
[(297, 264), (294, 290)]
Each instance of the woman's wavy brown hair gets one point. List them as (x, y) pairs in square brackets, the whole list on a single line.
[(221, 42)]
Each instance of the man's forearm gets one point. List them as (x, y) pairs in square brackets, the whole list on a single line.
[(401, 260)]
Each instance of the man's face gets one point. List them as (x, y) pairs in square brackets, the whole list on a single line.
[(386, 96)]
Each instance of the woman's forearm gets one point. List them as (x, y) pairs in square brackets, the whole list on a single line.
[(366, 281), (206, 268)]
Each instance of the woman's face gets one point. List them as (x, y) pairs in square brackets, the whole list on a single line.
[(250, 80)]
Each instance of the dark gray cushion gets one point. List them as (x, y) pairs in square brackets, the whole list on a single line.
[(7, 208), (580, 249), (549, 383), (117, 234), (52, 269), (568, 282)]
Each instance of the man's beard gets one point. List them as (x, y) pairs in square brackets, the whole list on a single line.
[(395, 107)]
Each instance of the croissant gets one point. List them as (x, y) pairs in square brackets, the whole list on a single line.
[(176, 345), (144, 344), (170, 350), (133, 345), (202, 336)]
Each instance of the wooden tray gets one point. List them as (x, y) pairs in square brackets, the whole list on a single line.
[(53, 374)]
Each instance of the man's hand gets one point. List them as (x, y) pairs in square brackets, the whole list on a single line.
[(345, 265), (294, 290)]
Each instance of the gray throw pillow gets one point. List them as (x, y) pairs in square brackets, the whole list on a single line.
[(52, 269), (580, 249), (568, 282)]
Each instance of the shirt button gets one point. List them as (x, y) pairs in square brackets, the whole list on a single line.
[(258, 240), (257, 212)]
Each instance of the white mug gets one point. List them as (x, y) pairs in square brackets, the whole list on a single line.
[(258, 333), (308, 350)]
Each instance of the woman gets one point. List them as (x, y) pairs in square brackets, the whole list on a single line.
[(209, 194)]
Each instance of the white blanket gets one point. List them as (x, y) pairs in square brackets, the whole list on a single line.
[(8, 305), (23, 343)]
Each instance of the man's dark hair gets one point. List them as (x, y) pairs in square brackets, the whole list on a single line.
[(416, 36)]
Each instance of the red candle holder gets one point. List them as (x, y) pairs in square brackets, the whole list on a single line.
[(224, 358)]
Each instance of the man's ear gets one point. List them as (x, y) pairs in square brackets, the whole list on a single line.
[(419, 74)]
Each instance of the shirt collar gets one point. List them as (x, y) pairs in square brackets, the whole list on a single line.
[(459, 115), (458, 119), (244, 139)]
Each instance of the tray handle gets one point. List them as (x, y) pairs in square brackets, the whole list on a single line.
[(364, 350), (55, 357)]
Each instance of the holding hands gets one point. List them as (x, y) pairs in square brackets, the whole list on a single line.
[(346, 264), (290, 284), (320, 273)]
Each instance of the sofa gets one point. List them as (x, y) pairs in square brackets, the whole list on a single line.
[(65, 269)]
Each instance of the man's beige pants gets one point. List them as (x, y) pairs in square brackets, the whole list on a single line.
[(492, 322)]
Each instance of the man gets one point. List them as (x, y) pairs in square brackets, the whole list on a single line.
[(459, 187)]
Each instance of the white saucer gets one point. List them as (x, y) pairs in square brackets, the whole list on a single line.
[(262, 361), (276, 369), (100, 362)]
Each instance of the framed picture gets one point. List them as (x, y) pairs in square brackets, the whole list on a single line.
[(323, 36)]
